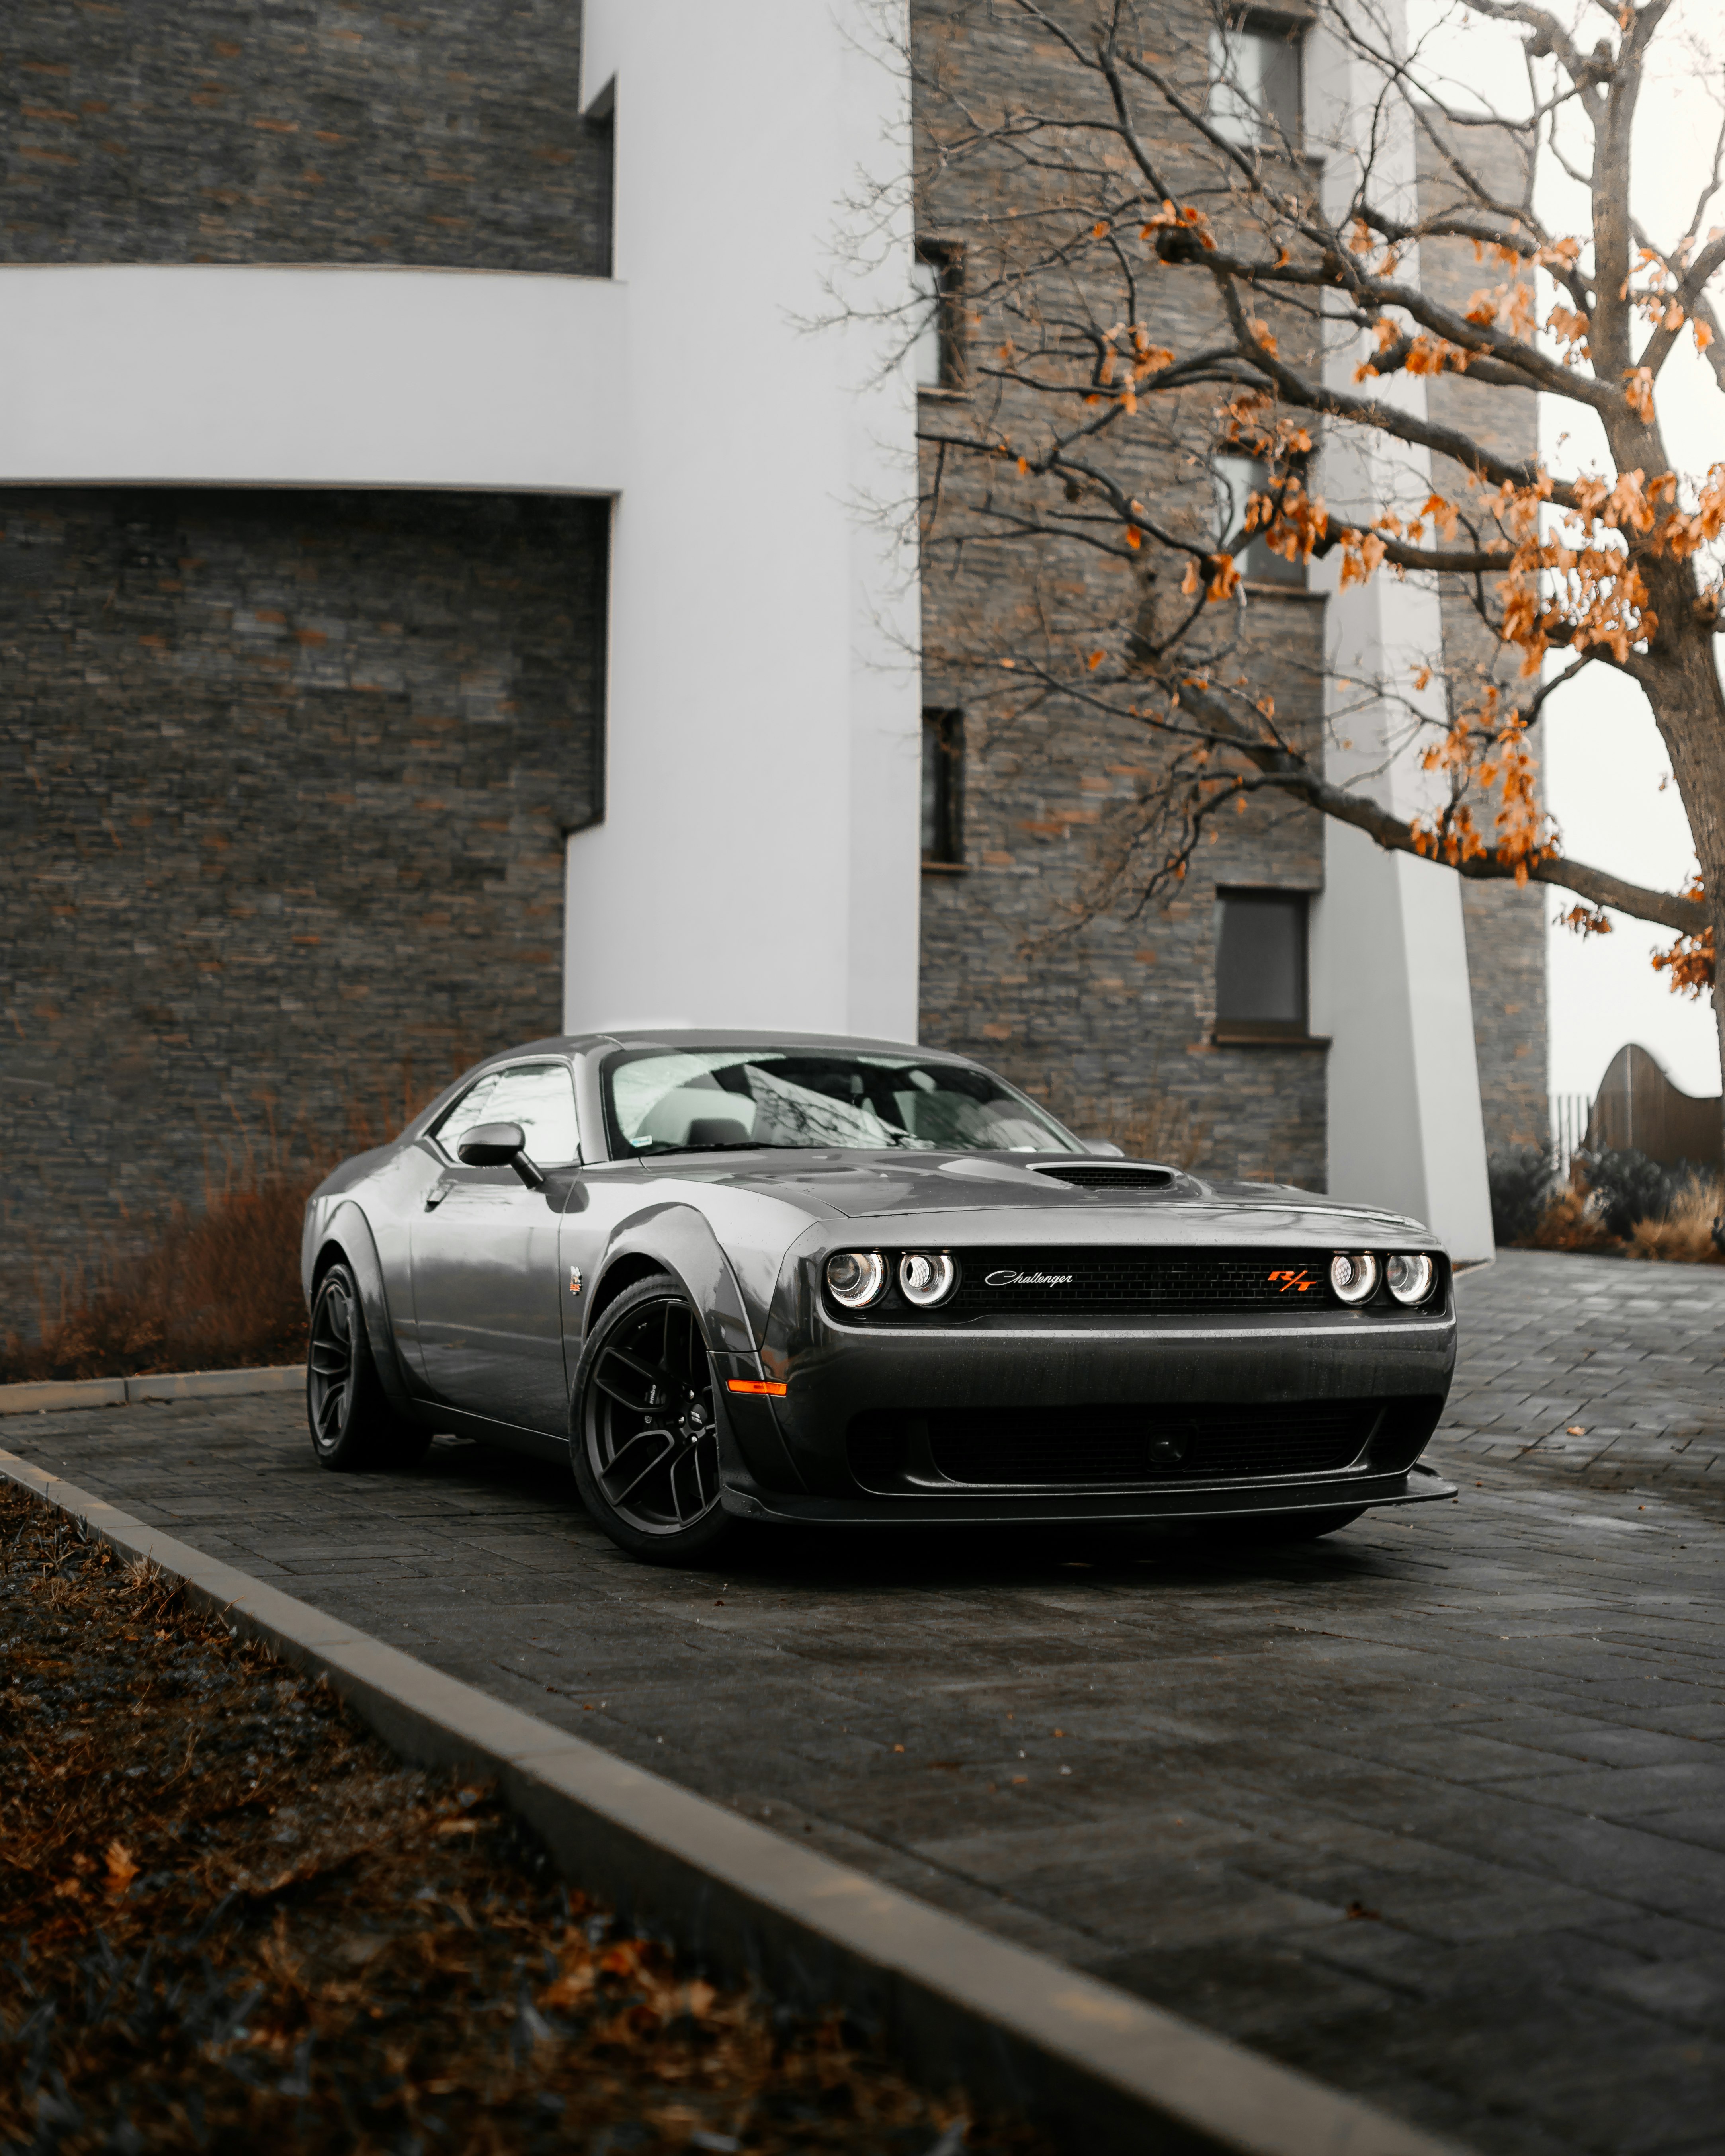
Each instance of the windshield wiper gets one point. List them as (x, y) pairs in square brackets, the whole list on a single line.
[(720, 1145)]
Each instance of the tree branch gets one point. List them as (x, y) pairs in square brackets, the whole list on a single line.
[(1395, 834)]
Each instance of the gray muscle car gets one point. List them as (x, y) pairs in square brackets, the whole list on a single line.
[(776, 1277)]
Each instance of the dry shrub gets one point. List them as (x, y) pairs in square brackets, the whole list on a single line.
[(1571, 1222), (1684, 1235), (214, 1290), (217, 1288)]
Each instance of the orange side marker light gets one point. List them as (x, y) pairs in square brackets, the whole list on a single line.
[(768, 1385)]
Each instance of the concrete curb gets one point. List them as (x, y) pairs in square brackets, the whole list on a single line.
[(53, 1395), (1104, 2070)]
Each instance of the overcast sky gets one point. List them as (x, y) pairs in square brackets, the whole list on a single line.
[(1604, 758)]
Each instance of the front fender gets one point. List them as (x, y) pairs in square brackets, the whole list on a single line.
[(681, 1241), (348, 1228), (677, 1238)]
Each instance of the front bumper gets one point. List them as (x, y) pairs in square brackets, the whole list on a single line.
[(797, 1457), (1325, 1493)]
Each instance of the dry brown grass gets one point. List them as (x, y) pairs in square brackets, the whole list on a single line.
[(215, 1287), (1685, 1236), (1571, 1222), (1681, 1235), (213, 1290)]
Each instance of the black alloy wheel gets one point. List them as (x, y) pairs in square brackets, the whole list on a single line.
[(353, 1426), (645, 1442)]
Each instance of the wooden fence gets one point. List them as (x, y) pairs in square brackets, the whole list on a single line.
[(1638, 1109)]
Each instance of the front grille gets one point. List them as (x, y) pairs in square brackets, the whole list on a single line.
[(1014, 1447), (1140, 1179), (1020, 1283)]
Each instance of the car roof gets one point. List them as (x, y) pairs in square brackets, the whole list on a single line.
[(686, 1037)]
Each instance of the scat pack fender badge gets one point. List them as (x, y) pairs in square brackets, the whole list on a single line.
[(1292, 1283), (574, 1280)]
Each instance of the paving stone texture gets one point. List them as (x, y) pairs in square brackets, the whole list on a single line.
[(1433, 1810)]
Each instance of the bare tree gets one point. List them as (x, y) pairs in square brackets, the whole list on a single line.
[(1183, 330)]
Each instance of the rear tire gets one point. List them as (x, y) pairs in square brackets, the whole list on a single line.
[(1283, 1526), (644, 1438), (353, 1425)]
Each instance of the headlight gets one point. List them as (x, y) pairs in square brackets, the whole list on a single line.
[(1409, 1278), (1353, 1276), (926, 1279), (856, 1278)]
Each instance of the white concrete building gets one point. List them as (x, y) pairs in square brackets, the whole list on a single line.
[(754, 859)]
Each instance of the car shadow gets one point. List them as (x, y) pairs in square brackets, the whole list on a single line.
[(876, 1559)]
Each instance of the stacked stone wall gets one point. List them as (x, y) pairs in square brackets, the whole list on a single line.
[(1113, 1020), (283, 783), (449, 133), (1109, 1015)]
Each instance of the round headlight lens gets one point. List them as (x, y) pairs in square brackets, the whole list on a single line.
[(856, 1278), (925, 1278), (1409, 1277), (1353, 1274)]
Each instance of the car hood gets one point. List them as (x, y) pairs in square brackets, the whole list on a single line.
[(873, 1186)]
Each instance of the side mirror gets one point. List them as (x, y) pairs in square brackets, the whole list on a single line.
[(1106, 1148), (499, 1145)]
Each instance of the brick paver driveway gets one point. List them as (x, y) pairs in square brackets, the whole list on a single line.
[(1435, 1809)]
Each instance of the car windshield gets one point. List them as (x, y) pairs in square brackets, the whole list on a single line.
[(713, 1100)]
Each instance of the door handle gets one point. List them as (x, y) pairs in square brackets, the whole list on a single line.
[(438, 1191)]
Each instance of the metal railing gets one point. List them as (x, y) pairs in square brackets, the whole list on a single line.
[(1570, 1115)]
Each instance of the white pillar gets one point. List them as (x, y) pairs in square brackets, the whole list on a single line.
[(757, 865), (1389, 955)]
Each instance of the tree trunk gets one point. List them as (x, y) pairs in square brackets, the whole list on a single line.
[(1689, 708)]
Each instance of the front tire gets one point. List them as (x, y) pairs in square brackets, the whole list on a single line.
[(353, 1426), (644, 1435)]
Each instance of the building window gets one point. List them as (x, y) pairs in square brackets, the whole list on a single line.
[(938, 273), (943, 788), (1260, 964), (1255, 81), (1237, 479)]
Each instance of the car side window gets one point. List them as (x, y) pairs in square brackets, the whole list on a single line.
[(539, 1096)]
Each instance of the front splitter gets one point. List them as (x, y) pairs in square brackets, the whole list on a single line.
[(1417, 1485)]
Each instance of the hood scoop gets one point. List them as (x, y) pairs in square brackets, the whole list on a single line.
[(1107, 1175)]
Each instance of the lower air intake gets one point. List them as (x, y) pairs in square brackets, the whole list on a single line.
[(1064, 1448)]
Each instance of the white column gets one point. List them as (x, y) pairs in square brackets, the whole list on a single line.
[(757, 863), (1389, 955)]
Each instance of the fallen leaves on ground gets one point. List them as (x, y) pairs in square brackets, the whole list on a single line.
[(230, 1919)]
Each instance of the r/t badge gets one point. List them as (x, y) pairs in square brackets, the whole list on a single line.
[(574, 1280)]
